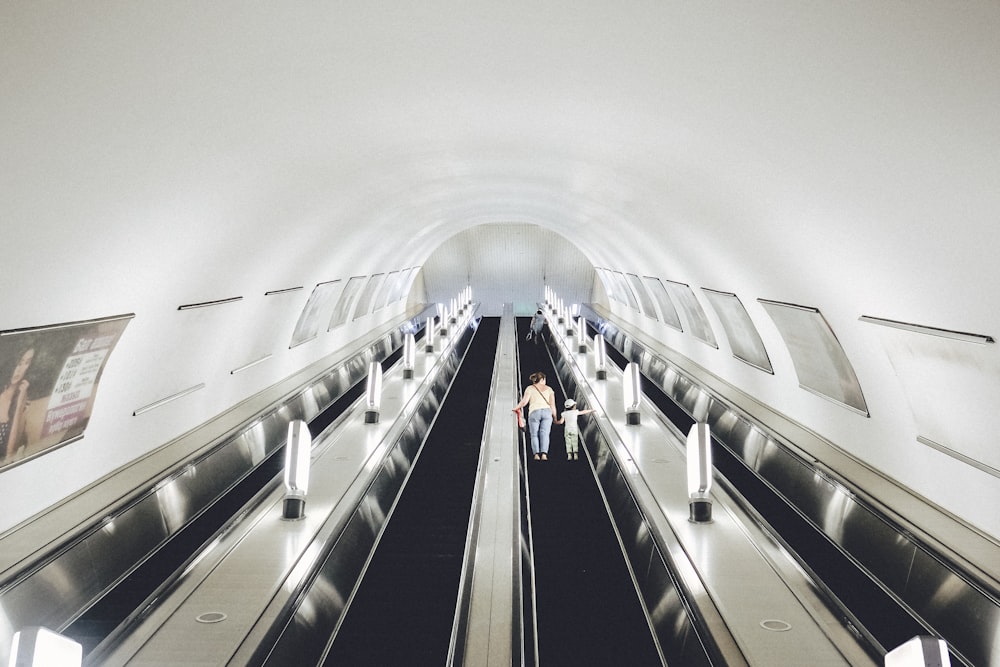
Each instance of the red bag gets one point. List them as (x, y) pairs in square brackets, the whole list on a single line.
[(520, 418)]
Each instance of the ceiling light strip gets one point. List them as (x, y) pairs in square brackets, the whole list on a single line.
[(64, 325), (988, 469), (206, 304), (250, 365), (930, 331), (282, 291), (164, 401)]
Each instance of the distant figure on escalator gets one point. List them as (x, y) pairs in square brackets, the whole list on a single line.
[(571, 430), (537, 326), (541, 402)]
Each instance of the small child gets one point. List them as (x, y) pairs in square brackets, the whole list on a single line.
[(572, 428)]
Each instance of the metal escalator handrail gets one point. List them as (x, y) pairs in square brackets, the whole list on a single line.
[(490, 623)]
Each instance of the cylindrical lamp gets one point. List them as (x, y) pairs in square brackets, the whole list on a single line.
[(920, 651), (409, 355), (581, 335), (373, 393), (632, 393), (699, 473), (298, 450), (454, 311), (600, 358), (40, 647), (429, 335)]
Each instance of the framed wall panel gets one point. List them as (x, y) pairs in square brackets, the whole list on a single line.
[(698, 325), (316, 311), (820, 362), (345, 304), (386, 291), (743, 336), (946, 377), (366, 300), (622, 284), (645, 301), (50, 376), (668, 312)]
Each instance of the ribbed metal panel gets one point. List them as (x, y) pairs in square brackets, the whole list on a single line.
[(509, 263)]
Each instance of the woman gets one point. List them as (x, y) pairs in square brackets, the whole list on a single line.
[(13, 401), (541, 402)]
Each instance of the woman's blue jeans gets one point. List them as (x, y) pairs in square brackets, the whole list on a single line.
[(539, 425)]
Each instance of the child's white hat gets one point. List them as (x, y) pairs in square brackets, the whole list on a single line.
[(569, 403)]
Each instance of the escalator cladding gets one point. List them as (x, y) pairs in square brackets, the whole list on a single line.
[(403, 610), (106, 615), (589, 612), (887, 621)]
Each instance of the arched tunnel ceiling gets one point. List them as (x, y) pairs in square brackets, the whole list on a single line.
[(840, 157), (702, 134)]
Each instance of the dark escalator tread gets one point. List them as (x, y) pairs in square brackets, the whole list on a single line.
[(589, 612), (403, 611)]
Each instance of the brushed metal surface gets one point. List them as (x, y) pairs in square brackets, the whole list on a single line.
[(306, 624), (961, 605), (56, 588), (495, 585)]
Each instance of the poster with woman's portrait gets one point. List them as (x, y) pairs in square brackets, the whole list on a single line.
[(48, 383)]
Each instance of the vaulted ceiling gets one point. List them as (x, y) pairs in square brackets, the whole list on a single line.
[(841, 157)]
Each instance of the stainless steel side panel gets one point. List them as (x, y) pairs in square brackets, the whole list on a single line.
[(312, 616), (56, 589), (652, 559), (960, 605)]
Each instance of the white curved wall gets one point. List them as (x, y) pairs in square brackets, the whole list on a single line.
[(839, 157)]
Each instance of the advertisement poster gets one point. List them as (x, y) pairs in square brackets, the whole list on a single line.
[(49, 378)]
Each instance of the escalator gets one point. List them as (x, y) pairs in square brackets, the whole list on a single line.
[(126, 599), (588, 610), (866, 608), (403, 610)]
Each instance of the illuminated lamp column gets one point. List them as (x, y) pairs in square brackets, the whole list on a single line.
[(631, 393), (699, 473), (559, 312), (40, 647), (443, 324), (429, 335), (921, 651), (298, 450), (409, 355), (581, 335), (373, 393), (454, 311), (600, 358)]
